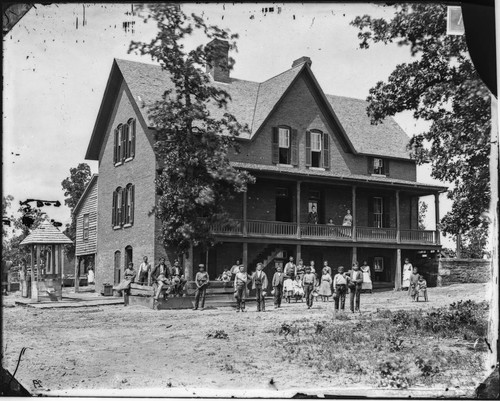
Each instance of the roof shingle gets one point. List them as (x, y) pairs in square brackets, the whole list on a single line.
[(46, 233)]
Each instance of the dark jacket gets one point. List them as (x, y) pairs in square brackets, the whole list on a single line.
[(157, 270), (278, 280)]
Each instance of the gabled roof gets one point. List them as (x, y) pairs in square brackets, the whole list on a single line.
[(252, 103), (86, 191), (46, 233)]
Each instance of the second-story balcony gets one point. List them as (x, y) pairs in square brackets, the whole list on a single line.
[(326, 232)]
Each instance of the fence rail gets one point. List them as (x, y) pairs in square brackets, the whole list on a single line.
[(275, 228), (326, 231), (376, 234), (418, 236)]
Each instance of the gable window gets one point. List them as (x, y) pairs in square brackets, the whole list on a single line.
[(378, 166), (129, 205), (124, 143), (123, 207), (284, 146), (85, 227), (317, 149), (116, 215)]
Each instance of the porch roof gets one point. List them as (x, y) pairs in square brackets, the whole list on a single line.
[(353, 178), (46, 233)]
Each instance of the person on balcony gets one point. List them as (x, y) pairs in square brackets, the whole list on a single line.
[(325, 288), (407, 271), (259, 284), (367, 284), (340, 288), (277, 284), (347, 219), (290, 268), (240, 287), (313, 216)]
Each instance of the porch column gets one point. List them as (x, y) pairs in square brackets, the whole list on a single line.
[(32, 292), (298, 208), (245, 197), (436, 211), (353, 211), (398, 219), (245, 255), (397, 273), (298, 253), (77, 273), (354, 256)]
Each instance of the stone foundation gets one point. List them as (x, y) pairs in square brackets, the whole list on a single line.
[(454, 271)]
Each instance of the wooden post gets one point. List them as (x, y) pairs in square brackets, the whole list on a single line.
[(436, 211), (30, 294), (34, 294), (188, 264), (398, 219), (353, 211), (245, 203), (298, 208), (245, 255), (354, 256), (298, 253), (77, 274), (397, 273)]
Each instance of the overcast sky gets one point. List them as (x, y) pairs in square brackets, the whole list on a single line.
[(56, 68)]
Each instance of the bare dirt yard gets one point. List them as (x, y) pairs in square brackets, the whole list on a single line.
[(393, 345)]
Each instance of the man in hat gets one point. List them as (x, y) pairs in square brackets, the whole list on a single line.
[(178, 280), (259, 284), (160, 276), (308, 282), (201, 280), (240, 286), (278, 286)]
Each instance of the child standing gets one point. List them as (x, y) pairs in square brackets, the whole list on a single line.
[(201, 280), (413, 283), (259, 284), (325, 289), (340, 288), (355, 281), (421, 287), (240, 284), (298, 289), (288, 288), (308, 282), (278, 287)]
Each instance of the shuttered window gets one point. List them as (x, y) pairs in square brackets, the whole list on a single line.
[(131, 131), (317, 149), (116, 220), (285, 146), (85, 227), (124, 142), (378, 166), (129, 205)]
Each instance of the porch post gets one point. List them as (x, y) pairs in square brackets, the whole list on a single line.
[(245, 255), (398, 219), (354, 256), (245, 196), (353, 211), (77, 273), (436, 210), (298, 253), (397, 274), (188, 264), (298, 208)]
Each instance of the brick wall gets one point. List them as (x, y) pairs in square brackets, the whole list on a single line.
[(141, 172), (453, 271)]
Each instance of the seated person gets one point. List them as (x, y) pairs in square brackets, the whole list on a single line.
[(160, 277), (178, 280), (298, 288), (129, 277), (226, 276), (421, 287)]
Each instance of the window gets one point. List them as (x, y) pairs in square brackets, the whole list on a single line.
[(123, 206), (117, 269), (284, 146), (128, 255), (378, 212), (317, 149), (124, 146), (85, 227), (378, 166)]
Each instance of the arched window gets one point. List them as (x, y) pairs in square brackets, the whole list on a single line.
[(117, 267), (130, 138), (128, 256), (118, 148), (117, 212), (129, 204)]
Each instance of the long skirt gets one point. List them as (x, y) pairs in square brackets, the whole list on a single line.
[(325, 289)]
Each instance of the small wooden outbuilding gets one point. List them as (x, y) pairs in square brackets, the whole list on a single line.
[(46, 244)]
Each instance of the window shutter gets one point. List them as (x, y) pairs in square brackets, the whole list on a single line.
[(131, 201), (126, 147), (115, 154), (124, 205), (124, 142), (275, 146), (386, 167), (308, 149), (294, 148), (326, 150), (387, 212), (371, 218), (113, 213), (370, 164), (132, 143)]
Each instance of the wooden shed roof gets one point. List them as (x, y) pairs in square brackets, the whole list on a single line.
[(46, 233)]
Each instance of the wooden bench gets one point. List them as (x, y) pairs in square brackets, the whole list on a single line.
[(143, 295)]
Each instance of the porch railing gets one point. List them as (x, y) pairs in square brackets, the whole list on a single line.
[(274, 228), (234, 227), (418, 236), (376, 234), (324, 231)]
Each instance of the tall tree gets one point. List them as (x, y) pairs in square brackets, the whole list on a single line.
[(73, 187), (442, 87), (196, 177), (6, 203)]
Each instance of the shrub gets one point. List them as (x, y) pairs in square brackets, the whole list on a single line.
[(395, 343), (427, 366), (384, 313), (220, 334), (393, 374)]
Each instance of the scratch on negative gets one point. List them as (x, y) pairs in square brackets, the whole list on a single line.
[(312, 22)]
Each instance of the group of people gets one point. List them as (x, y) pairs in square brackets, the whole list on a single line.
[(313, 218), (299, 281), (413, 282)]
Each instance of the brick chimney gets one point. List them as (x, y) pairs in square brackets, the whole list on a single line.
[(302, 60), (217, 66)]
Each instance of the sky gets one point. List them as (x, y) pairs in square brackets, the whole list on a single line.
[(57, 59)]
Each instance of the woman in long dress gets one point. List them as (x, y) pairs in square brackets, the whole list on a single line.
[(367, 284), (298, 288), (407, 271), (325, 288)]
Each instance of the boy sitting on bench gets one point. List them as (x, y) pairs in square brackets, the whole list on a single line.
[(160, 277)]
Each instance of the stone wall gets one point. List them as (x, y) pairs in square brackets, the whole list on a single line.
[(453, 271)]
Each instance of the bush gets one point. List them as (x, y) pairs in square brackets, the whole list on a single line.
[(427, 366), (393, 374), (220, 334)]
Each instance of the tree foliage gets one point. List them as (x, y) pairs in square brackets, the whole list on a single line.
[(442, 87), (191, 145), (73, 187), (422, 212)]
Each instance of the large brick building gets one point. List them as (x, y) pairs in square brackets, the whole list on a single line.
[(305, 148)]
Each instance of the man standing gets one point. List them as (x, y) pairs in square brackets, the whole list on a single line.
[(290, 268), (259, 284), (278, 287), (355, 282), (240, 286), (144, 271), (201, 280), (308, 282), (160, 275)]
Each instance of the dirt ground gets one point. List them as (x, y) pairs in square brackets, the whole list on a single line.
[(80, 351)]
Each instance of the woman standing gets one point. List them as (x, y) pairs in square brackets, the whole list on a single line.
[(325, 288), (407, 271), (366, 285)]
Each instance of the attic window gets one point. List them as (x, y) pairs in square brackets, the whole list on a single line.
[(317, 149), (378, 166), (284, 146)]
